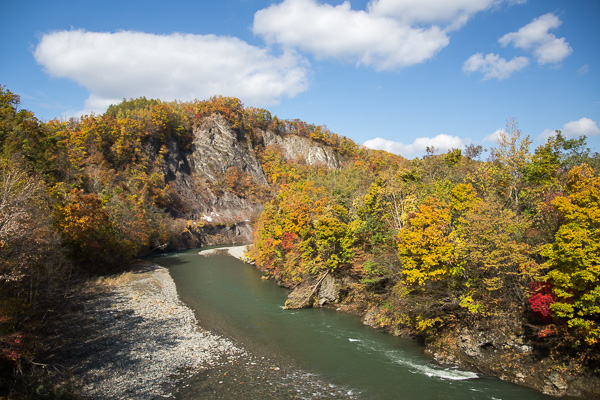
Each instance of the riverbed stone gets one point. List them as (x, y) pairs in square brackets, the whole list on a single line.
[(329, 291), (136, 339), (301, 297)]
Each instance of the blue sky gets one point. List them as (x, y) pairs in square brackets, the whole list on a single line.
[(393, 74)]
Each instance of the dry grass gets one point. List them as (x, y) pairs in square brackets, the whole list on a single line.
[(114, 281)]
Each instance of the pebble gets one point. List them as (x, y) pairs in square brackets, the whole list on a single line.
[(145, 338), (141, 342)]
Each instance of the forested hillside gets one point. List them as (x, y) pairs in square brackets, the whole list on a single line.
[(83, 197), (492, 258), (492, 263)]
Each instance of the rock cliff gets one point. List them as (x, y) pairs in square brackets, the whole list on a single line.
[(196, 177), (296, 148), (217, 148)]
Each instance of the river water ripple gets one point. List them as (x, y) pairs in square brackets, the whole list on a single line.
[(307, 354)]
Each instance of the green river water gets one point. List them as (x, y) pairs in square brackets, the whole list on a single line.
[(311, 353)]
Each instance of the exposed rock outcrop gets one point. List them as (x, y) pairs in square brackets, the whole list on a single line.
[(301, 297), (196, 177), (500, 347), (217, 148), (327, 290), (298, 148)]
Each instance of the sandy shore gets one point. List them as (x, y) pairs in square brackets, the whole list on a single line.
[(234, 251)]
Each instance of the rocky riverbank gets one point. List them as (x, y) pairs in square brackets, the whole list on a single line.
[(135, 339), (498, 347), (238, 252), (130, 337)]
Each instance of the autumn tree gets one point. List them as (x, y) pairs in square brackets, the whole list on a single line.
[(424, 245), (573, 260), (88, 232), (497, 262), (35, 273), (510, 159)]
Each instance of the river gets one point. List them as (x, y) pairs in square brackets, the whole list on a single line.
[(311, 353)]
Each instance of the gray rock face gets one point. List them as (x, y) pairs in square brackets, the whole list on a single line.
[(217, 148), (371, 317), (299, 148), (196, 177), (300, 297), (329, 292)]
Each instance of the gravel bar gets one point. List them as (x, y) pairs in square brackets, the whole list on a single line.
[(137, 340), (134, 339), (238, 252)]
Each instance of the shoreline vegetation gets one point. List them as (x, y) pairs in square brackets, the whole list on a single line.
[(491, 258)]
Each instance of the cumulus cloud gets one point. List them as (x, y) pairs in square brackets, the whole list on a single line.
[(125, 64), (454, 13), (339, 32), (494, 136), (493, 66), (389, 34), (535, 37), (442, 143), (581, 127), (574, 129)]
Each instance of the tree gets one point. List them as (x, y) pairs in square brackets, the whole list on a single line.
[(453, 157), (34, 272), (334, 239), (424, 246), (552, 160), (496, 260), (511, 158), (473, 152), (573, 261), (284, 239), (88, 232)]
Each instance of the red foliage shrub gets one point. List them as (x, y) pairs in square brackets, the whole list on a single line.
[(541, 298)]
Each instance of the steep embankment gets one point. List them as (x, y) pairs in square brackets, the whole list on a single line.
[(220, 182), (500, 347)]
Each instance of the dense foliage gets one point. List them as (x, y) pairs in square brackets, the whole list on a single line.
[(448, 239), (436, 242), (85, 196)]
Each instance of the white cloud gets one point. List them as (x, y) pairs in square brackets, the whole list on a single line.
[(125, 64), (339, 32), (574, 129), (442, 144), (581, 127), (494, 136), (388, 34), (546, 47), (584, 69), (454, 13), (546, 134), (493, 66)]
